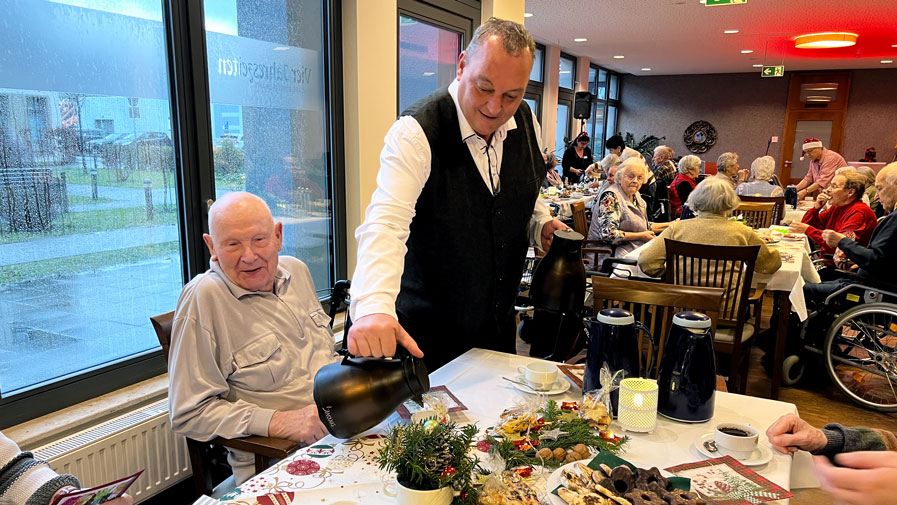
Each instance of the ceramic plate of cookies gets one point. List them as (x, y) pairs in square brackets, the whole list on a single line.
[(585, 482)]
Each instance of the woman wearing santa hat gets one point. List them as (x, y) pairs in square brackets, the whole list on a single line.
[(823, 164)]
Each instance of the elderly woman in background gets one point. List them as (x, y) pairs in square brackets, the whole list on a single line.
[(577, 158), (713, 200), (846, 213), (871, 193), (727, 168), (603, 168), (684, 183), (619, 217), (762, 170), (552, 178)]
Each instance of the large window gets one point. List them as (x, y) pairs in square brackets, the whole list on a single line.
[(604, 87), (566, 80), (100, 226), (533, 95)]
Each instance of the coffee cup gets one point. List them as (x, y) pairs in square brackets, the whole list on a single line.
[(538, 375), (736, 440)]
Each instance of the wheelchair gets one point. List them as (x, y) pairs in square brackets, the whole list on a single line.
[(854, 335)]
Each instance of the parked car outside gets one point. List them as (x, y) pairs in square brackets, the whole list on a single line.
[(144, 139), (94, 146)]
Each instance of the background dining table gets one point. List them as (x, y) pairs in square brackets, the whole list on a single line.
[(345, 472)]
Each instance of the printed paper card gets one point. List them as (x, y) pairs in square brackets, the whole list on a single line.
[(99, 494), (725, 481)]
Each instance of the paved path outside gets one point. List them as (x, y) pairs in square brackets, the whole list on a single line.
[(121, 197), (85, 243)]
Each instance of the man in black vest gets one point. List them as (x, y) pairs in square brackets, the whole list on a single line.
[(441, 251)]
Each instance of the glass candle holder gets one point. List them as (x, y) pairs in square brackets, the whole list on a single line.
[(638, 405)]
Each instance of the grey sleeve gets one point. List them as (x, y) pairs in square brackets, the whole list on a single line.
[(842, 439)]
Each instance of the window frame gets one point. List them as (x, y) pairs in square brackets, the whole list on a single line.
[(535, 89), (603, 104), (185, 39)]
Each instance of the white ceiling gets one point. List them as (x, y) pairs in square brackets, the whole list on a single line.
[(686, 37)]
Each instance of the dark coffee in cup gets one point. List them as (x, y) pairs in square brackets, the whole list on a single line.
[(735, 432)]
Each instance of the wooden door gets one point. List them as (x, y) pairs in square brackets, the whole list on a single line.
[(817, 107)]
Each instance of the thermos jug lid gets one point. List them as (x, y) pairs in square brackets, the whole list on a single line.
[(616, 317), (688, 319)]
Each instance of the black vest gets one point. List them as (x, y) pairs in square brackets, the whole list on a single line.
[(467, 247)]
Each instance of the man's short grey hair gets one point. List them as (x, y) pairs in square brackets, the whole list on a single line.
[(868, 173), (629, 152), (763, 167), (888, 174), (854, 181), (513, 36), (689, 164), (713, 196), (725, 160), (632, 165), (666, 151), (609, 161)]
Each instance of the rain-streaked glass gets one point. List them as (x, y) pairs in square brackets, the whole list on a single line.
[(428, 59)]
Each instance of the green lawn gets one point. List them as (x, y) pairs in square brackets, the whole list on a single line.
[(74, 174), (84, 262), (96, 220)]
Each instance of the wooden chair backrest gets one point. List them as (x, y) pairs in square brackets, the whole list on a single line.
[(778, 212), (756, 214), (580, 221), (655, 304), (728, 267), (162, 324), (594, 252)]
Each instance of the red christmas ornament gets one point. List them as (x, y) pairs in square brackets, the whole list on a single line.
[(525, 471), (303, 467), (484, 446), (448, 472)]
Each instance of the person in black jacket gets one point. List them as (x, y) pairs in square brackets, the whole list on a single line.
[(577, 158), (876, 261)]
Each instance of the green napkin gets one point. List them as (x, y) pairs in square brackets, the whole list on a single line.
[(613, 461)]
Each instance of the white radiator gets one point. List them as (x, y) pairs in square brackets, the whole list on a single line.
[(139, 440)]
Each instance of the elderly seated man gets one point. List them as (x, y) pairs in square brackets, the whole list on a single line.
[(762, 170), (248, 337), (875, 262), (845, 214)]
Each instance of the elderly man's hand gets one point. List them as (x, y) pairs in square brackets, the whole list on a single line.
[(863, 477), (790, 433), (548, 230), (301, 425), (798, 227), (743, 175), (377, 335), (832, 238)]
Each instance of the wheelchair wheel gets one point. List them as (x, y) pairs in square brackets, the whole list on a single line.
[(792, 370), (861, 355)]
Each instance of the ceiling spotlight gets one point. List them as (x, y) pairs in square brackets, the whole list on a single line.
[(646, 70), (527, 14), (730, 32), (887, 61), (581, 39), (619, 57), (819, 98), (757, 65), (825, 40), (747, 51)]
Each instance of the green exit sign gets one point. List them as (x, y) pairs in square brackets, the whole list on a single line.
[(709, 3), (773, 71)]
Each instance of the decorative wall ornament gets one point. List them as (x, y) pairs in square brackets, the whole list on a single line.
[(699, 137)]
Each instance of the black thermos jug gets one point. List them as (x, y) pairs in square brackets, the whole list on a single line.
[(686, 380), (355, 394)]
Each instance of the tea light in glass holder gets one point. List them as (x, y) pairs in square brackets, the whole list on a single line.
[(638, 405)]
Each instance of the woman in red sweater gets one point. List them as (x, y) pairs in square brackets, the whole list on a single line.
[(846, 213)]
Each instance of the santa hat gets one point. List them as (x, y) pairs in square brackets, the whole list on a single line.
[(811, 143)]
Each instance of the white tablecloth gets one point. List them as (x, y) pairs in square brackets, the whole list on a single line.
[(334, 470), (792, 215), (566, 211), (794, 273)]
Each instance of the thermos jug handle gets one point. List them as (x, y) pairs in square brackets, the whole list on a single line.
[(639, 325)]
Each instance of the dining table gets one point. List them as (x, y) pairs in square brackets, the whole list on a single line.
[(786, 283), (334, 471), (565, 205)]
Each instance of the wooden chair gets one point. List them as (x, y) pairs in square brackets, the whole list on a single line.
[(206, 458), (730, 268), (655, 304), (580, 221), (593, 251), (756, 214), (778, 212)]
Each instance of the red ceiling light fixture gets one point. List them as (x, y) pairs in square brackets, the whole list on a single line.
[(825, 40)]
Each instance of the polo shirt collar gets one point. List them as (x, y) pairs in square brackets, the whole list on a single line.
[(281, 281), (467, 132)]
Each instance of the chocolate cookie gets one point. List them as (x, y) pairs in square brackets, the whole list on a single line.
[(643, 497)]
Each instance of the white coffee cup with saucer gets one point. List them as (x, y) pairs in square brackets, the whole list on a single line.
[(540, 376)]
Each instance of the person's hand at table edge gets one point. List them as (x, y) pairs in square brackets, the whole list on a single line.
[(798, 227), (376, 335), (862, 477), (547, 234), (301, 425), (790, 433)]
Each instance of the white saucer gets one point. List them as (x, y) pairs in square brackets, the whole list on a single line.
[(561, 385), (760, 456)]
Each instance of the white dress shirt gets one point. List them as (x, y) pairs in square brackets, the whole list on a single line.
[(404, 169)]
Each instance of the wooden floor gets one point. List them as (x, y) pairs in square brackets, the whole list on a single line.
[(818, 401)]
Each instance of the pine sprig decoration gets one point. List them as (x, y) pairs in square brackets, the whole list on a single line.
[(551, 411), (427, 458)]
